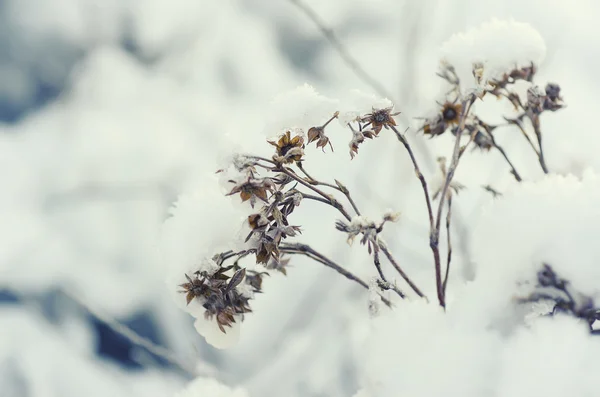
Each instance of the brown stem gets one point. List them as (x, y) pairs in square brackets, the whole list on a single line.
[(333, 202), (513, 171), (435, 235), (449, 257), (392, 260), (308, 251), (418, 173), (384, 284), (535, 121), (539, 153), (339, 187)]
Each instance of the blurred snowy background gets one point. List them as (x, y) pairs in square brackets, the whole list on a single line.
[(110, 109)]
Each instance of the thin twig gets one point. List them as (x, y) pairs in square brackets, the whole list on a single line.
[(314, 181), (418, 173), (394, 263), (363, 75), (332, 201), (434, 238), (339, 187), (341, 49), (535, 121), (449, 257), (308, 251), (315, 198), (384, 284), (513, 171), (538, 133)]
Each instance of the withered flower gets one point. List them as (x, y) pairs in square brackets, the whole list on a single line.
[(251, 189), (289, 149), (553, 100), (258, 222), (379, 118), (193, 288), (434, 127), (483, 141), (254, 279), (451, 113), (535, 99), (358, 137), (318, 134), (268, 248), (218, 294)]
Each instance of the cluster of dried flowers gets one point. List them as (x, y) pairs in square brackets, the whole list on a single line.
[(481, 133), (276, 186)]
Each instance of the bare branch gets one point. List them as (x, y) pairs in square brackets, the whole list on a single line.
[(418, 173), (394, 263), (332, 201), (308, 251), (449, 257), (384, 283)]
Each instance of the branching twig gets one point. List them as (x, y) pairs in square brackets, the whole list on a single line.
[(332, 201), (339, 186), (308, 251), (536, 126), (384, 284)]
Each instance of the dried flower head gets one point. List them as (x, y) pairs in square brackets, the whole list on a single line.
[(553, 100), (218, 294), (289, 149), (193, 288), (451, 112), (535, 99), (318, 134), (358, 137), (379, 118), (252, 189), (434, 127)]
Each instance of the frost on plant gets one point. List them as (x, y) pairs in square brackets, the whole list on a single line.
[(499, 60)]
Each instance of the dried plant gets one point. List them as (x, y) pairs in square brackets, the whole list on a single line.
[(553, 289), (276, 186)]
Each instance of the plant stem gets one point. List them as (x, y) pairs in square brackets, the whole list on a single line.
[(308, 251), (392, 260)]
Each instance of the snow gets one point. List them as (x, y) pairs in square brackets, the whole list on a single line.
[(551, 221), (500, 45), (201, 387), (201, 225), (214, 336), (148, 97)]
